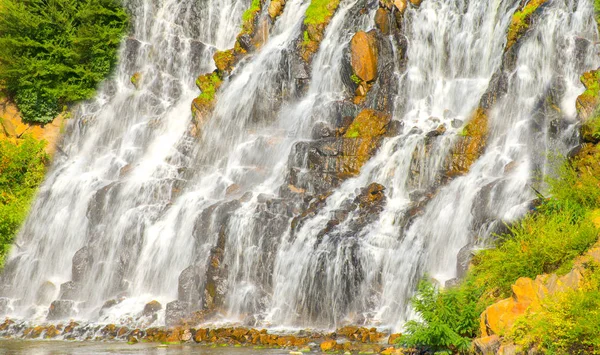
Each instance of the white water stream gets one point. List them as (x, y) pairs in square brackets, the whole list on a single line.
[(146, 201)]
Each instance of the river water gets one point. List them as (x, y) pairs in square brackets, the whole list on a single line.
[(17, 347)]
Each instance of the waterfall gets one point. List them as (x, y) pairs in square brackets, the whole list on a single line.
[(135, 208)]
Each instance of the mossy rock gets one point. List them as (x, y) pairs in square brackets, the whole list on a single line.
[(368, 124), (588, 101), (470, 144), (224, 60), (521, 21)]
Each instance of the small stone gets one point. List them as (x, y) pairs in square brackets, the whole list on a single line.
[(328, 345)]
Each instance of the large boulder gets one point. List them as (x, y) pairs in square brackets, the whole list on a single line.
[(320, 165), (61, 309), (363, 49)]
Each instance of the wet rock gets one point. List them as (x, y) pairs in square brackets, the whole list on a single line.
[(328, 345), (440, 130), (176, 312), (69, 290), (393, 338), (276, 8), (61, 309), (464, 257), (136, 80), (188, 285), (245, 42), (470, 144), (322, 130), (82, 262), (46, 293), (394, 128), (382, 21), (151, 307), (456, 123), (232, 189), (363, 48)]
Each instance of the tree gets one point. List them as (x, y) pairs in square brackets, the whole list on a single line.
[(55, 52)]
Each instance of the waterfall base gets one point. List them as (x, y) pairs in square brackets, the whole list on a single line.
[(347, 339)]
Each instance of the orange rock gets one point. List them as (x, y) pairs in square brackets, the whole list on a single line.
[(328, 345), (393, 337), (363, 48), (382, 21)]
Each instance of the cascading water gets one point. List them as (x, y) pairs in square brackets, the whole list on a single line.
[(136, 209)]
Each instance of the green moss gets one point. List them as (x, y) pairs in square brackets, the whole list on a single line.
[(249, 16), (320, 11), (355, 79), (208, 84), (521, 21)]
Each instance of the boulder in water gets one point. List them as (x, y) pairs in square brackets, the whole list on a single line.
[(61, 309), (176, 311)]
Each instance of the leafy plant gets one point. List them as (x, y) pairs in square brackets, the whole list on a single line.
[(22, 168), (54, 53), (355, 79), (449, 319)]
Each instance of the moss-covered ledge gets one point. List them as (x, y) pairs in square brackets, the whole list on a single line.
[(318, 15), (521, 21)]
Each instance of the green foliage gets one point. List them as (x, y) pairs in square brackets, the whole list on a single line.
[(320, 11), (355, 79), (54, 53), (449, 318), (545, 241), (249, 16), (567, 323), (22, 168)]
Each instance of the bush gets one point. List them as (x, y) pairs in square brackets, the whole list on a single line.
[(22, 168), (54, 53), (449, 319), (567, 323), (547, 240)]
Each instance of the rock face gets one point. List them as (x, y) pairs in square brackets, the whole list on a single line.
[(470, 144), (363, 48), (320, 165)]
